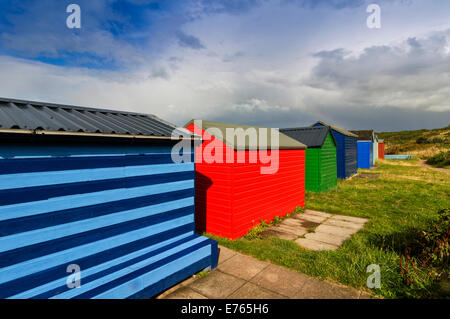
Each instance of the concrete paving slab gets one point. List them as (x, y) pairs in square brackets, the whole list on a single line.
[(242, 266), (331, 239), (271, 232), (350, 219), (284, 281), (339, 231), (291, 230), (315, 245), (225, 254), (344, 224), (252, 291), (217, 285), (298, 222), (185, 293), (317, 213), (311, 218), (271, 282), (318, 289)]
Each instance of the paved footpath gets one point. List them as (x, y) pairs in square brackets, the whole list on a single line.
[(242, 277), (315, 230)]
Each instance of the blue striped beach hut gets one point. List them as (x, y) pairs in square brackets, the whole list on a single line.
[(91, 199)]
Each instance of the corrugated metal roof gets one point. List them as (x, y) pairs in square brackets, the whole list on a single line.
[(285, 142), (364, 135), (310, 136), (29, 117), (336, 128)]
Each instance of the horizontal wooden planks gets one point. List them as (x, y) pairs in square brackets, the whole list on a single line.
[(106, 212)]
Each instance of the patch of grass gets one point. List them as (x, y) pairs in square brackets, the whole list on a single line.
[(405, 198), (201, 274)]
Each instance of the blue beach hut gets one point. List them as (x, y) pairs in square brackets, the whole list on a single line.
[(93, 194), (365, 148)]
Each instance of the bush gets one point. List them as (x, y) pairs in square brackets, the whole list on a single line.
[(422, 140), (435, 241), (437, 140), (429, 252), (441, 159)]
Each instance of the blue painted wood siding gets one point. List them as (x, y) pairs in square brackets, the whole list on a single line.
[(365, 153), (351, 156), (346, 156), (124, 216)]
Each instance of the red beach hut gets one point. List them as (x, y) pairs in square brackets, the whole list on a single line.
[(245, 175), (381, 149)]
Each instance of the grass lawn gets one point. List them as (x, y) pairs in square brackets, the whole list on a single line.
[(403, 197)]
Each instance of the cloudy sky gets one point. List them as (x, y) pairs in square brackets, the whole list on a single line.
[(275, 63)]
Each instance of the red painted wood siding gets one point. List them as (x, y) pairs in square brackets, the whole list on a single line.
[(381, 150), (231, 198)]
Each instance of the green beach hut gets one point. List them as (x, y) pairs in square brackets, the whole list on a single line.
[(320, 166)]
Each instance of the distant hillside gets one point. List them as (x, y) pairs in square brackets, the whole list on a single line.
[(424, 144)]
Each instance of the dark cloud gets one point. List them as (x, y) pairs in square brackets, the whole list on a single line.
[(404, 85), (189, 41)]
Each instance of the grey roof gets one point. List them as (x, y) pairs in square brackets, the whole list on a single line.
[(284, 142), (18, 116), (337, 128), (364, 135), (310, 136)]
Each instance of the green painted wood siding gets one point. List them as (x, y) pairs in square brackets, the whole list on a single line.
[(321, 167), (328, 178), (312, 169)]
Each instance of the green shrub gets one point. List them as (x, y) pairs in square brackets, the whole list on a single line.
[(437, 140), (422, 140), (441, 159), (435, 241)]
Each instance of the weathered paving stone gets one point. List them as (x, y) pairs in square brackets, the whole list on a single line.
[(339, 231), (242, 266), (217, 285), (317, 213), (344, 224), (318, 289), (311, 218), (284, 281), (225, 254), (350, 219), (252, 291), (315, 245), (271, 232), (327, 238), (185, 293), (297, 231), (292, 222)]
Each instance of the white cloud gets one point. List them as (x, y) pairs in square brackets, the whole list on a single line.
[(258, 68)]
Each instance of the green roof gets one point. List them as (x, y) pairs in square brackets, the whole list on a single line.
[(337, 128), (285, 142)]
